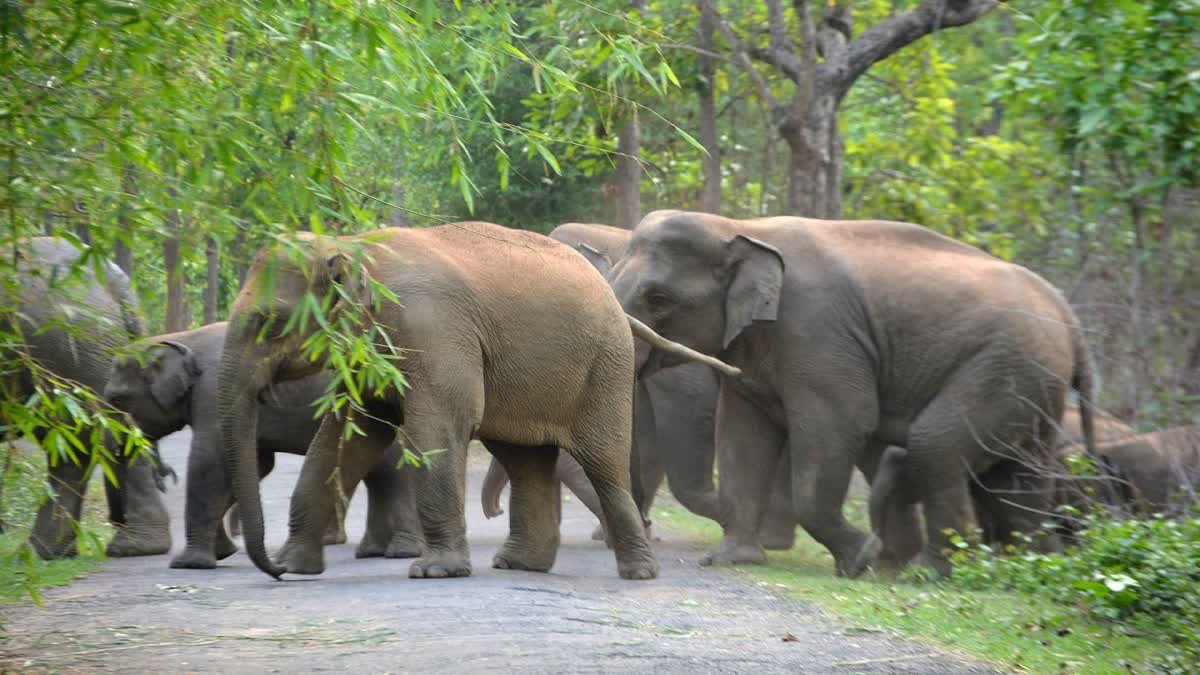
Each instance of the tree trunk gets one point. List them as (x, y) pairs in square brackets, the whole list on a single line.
[(178, 317), (212, 253), (815, 164), (629, 174), (710, 197), (399, 215)]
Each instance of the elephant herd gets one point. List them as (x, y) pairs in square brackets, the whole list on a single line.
[(784, 352)]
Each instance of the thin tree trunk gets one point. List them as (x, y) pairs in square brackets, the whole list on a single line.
[(177, 312), (710, 197), (399, 216), (629, 174), (212, 253)]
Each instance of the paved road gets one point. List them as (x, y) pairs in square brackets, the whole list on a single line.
[(137, 615)]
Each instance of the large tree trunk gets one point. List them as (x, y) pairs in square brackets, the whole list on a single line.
[(178, 316), (212, 254), (710, 197), (815, 165), (629, 173), (124, 248)]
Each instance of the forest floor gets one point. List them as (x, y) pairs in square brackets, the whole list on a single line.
[(137, 615)]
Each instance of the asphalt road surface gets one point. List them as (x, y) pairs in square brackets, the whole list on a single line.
[(136, 615)]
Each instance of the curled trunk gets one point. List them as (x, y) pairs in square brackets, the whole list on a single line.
[(239, 385)]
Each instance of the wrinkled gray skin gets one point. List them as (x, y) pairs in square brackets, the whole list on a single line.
[(853, 336), (672, 425), (174, 384), (101, 316), (510, 336)]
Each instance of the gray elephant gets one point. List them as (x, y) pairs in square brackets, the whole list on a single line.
[(172, 383), (508, 336), (853, 336), (73, 322)]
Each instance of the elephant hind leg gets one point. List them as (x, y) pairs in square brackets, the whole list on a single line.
[(605, 462), (535, 507), (53, 534)]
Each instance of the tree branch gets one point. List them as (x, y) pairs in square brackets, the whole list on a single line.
[(786, 62), (900, 30), (742, 58)]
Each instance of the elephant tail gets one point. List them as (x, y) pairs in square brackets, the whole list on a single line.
[(493, 485), (1083, 381), (647, 334)]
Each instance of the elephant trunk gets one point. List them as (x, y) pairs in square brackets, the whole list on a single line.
[(240, 379), (493, 485)]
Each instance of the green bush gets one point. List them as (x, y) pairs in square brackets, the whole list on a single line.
[(1143, 574)]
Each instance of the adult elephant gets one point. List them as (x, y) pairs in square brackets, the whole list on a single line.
[(507, 335), (172, 383), (72, 321), (673, 416), (852, 336)]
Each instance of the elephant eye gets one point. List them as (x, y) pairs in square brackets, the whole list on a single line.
[(657, 301)]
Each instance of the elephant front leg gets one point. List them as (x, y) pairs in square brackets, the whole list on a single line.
[(534, 508), (147, 527), (53, 534), (207, 498), (314, 498), (748, 447), (440, 493)]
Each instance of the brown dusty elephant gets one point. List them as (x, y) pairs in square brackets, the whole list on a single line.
[(508, 336), (853, 336), (673, 416), (1156, 471), (73, 322), (172, 383)]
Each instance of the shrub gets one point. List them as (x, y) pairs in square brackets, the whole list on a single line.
[(1144, 574)]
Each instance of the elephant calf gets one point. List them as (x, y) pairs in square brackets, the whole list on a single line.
[(175, 385), (1155, 472)]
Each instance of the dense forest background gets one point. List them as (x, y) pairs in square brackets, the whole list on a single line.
[(177, 138)]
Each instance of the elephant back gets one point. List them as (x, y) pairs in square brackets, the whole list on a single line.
[(71, 320)]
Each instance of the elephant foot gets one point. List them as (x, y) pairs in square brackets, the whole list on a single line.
[(300, 559), (370, 547), (441, 564), (405, 546), (130, 543), (514, 556), (645, 567), (866, 556), (194, 558), (54, 550), (936, 562), (734, 554), (224, 547)]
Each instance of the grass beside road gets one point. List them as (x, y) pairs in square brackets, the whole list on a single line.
[(1015, 631), (22, 573)]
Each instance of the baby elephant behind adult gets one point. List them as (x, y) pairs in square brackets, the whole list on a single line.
[(174, 385), (1158, 471), (508, 335)]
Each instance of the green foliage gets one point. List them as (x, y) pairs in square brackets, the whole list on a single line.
[(1144, 573)]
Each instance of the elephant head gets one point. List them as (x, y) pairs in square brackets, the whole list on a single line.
[(695, 280), (153, 386), (263, 346)]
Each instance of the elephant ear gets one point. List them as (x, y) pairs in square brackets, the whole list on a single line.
[(598, 259), (754, 273), (175, 377)]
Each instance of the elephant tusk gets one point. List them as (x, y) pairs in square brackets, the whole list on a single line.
[(644, 332)]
